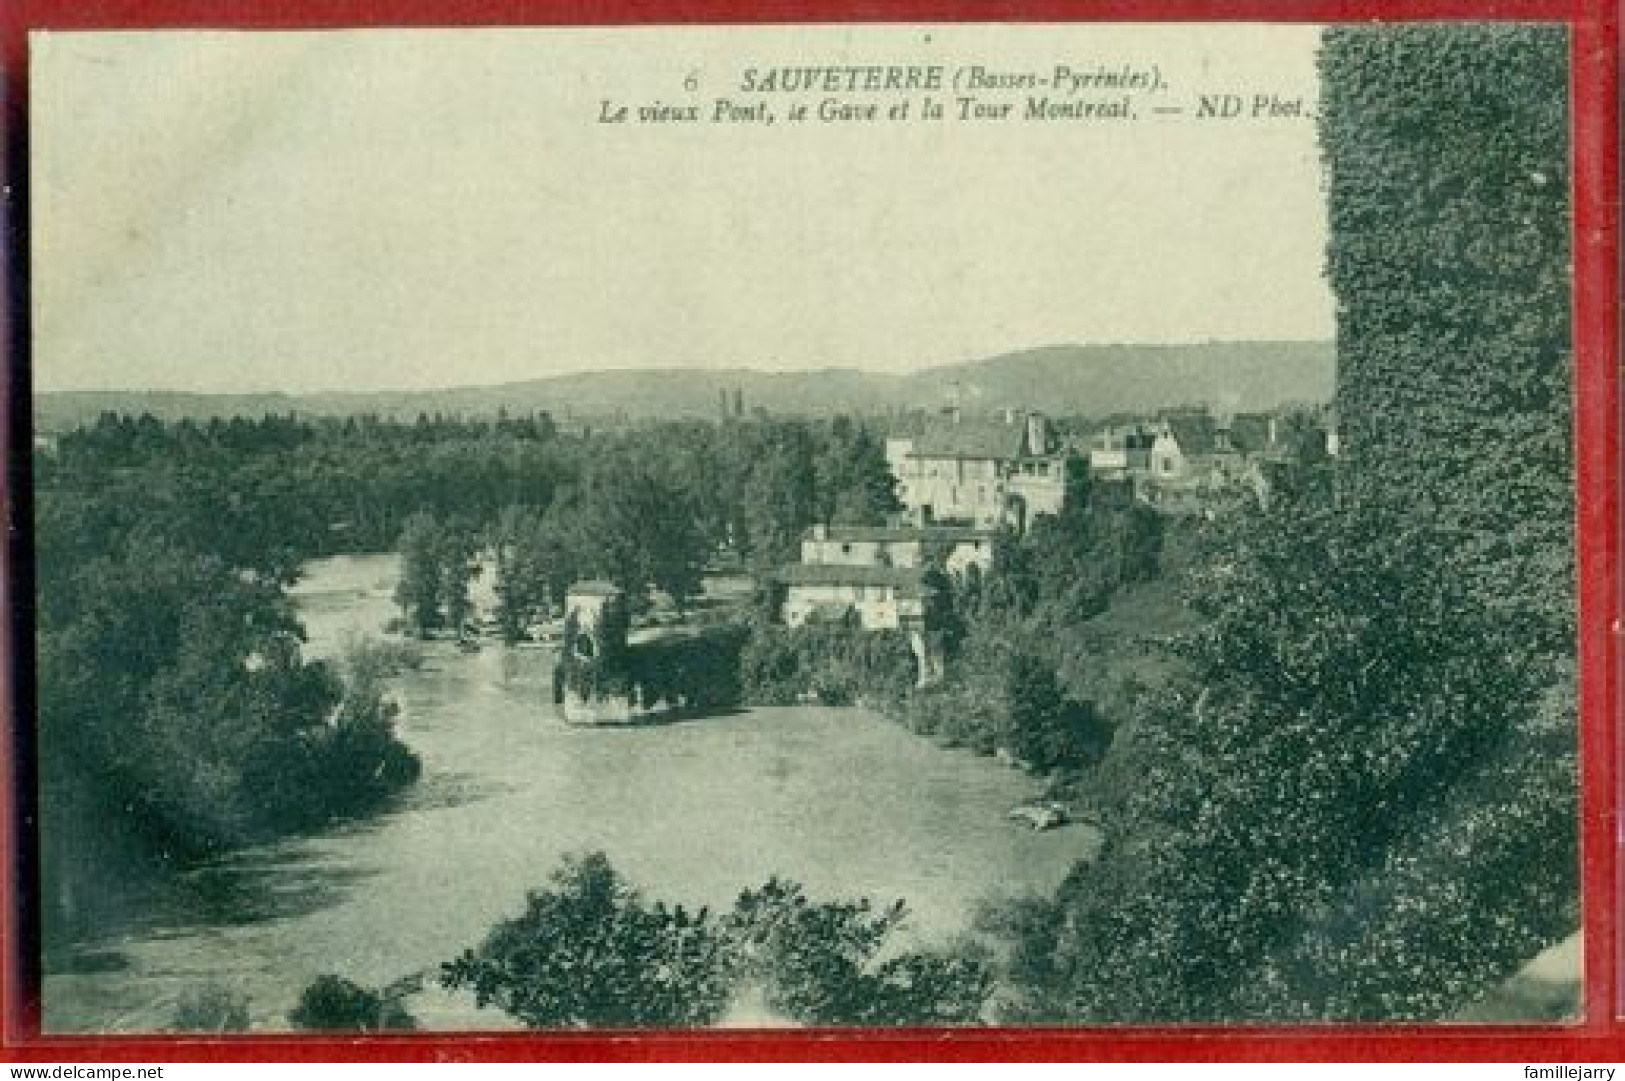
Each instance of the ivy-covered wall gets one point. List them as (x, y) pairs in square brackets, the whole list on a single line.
[(1447, 150)]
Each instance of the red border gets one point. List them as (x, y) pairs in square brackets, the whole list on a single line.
[(1595, 84)]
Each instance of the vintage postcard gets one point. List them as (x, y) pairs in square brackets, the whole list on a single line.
[(818, 526)]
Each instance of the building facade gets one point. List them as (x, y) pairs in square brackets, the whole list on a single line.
[(980, 473), (957, 548), (882, 598)]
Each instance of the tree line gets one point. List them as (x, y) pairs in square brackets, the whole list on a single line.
[(320, 486)]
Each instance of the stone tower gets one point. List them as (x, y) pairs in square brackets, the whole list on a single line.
[(594, 610)]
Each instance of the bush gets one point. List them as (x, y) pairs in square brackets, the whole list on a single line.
[(770, 666), (366, 661), (335, 1004), (212, 1009)]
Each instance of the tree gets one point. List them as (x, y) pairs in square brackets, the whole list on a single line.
[(437, 563), (677, 546), (173, 700), (520, 587), (1447, 155), (421, 589), (780, 498), (1346, 692), (458, 553), (560, 549), (1039, 726), (854, 483), (589, 952), (944, 619), (827, 963)]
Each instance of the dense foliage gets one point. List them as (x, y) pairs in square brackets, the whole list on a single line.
[(695, 669), (644, 507), (1447, 149), (836, 662), (590, 951), (699, 671), (177, 716), (829, 963), (1298, 827), (1360, 802), (319, 486), (437, 564)]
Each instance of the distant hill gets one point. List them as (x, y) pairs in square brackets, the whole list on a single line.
[(1092, 380), (1097, 380)]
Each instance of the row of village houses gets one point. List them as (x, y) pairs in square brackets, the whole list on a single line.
[(962, 480)]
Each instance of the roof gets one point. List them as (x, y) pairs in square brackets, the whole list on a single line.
[(1134, 436), (1250, 432), (1193, 431), (900, 533), (970, 439), (833, 574), (828, 612), (595, 587)]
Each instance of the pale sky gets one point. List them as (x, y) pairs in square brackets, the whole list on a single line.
[(412, 209)]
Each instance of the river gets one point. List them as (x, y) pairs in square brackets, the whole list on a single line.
[(841, 800)]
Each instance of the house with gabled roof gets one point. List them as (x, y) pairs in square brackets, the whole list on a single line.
[(1117, 450), (955, 548), (882, 598), (979, 472), (877, 576), (1184, 443)]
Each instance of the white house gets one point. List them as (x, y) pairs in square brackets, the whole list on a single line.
[(909, 546), (883, 598), (980, 473)]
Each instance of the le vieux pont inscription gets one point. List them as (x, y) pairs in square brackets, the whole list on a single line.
[(855, 95)]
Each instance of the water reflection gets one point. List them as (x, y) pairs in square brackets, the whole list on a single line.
[(443, 790), (89, 961), (259, 886)]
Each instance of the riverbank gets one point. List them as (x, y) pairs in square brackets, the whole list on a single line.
[(846, 802)]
